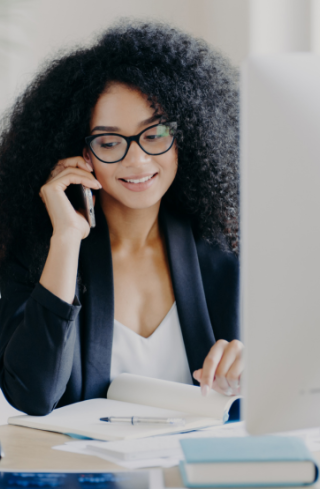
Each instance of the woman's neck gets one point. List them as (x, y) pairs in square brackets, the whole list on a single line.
[(130, 228)]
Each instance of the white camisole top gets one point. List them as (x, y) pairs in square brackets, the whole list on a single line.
[(162, 355)]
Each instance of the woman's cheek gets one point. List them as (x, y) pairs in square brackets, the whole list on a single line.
[(170, 169), (105, 176)]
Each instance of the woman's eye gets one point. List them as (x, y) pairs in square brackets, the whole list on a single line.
[(108, 145), (151, 137), (157, 133)]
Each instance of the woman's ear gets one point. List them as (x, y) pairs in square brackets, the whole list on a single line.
[(87, 156)]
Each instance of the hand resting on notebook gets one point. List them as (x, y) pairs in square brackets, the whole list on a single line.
[(222, 368)]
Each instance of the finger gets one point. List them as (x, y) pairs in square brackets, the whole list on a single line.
[(72, 178), (76, 162), (71, 170), (234, 374), (231, 354), (225, 392), (197, 374), (210, 365), (63, 181), (222, 384)]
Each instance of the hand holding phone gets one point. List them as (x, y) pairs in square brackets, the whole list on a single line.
[(81, 198), (68, 199)]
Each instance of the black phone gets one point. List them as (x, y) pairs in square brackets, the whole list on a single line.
[(81, 198)]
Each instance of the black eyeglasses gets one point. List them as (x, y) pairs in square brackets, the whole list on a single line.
[(111, 147)]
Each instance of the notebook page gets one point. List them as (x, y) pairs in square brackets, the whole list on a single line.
[(169, 395), (83, 418)]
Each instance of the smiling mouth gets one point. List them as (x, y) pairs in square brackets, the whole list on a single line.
[(138, 180)]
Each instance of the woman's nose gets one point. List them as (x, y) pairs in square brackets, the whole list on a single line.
[(135, 156)]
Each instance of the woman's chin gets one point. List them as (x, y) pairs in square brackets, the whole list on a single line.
[(136, 201), (141, 204)]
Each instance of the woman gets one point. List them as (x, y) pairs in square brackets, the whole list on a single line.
[(146, 118)]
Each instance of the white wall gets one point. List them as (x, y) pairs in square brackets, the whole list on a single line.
[(65, 22), (40, 28), (279, 26), (315, 26)]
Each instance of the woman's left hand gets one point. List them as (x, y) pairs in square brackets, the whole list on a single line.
[(222, 368)]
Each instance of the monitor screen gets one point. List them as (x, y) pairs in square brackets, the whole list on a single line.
[(280, 241)]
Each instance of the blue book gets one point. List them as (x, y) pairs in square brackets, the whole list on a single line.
[(248, 461)]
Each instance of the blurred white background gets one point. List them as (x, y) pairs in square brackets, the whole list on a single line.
[(34, 30)]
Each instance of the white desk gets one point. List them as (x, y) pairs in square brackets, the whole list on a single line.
[(28, 449)]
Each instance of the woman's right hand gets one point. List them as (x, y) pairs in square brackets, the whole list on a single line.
[(64, 218)]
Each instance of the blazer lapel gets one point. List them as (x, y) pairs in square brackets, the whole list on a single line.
[(98, 304), (98, 299), (188, 288)]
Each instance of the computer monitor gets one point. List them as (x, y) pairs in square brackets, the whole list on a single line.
[(280, 241)]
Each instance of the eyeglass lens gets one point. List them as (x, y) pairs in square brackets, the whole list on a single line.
[(110, 147)]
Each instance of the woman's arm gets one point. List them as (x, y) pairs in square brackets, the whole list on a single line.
[(38, 324), (61, 267), (37, 338), (69, 227)]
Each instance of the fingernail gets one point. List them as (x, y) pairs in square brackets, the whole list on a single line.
[(205, 389), (89, 167)]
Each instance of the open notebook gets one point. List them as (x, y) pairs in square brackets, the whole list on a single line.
[(133, 395)]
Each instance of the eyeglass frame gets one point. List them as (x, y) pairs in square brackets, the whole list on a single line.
[(128, 140)]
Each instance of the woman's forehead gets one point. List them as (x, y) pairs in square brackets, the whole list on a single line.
[(121, 106)]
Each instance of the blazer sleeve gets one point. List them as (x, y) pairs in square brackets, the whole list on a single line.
[(220, 275), (37, 337)]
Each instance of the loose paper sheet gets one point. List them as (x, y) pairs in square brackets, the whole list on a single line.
[(170, 442), (80, 447), (311, 437)]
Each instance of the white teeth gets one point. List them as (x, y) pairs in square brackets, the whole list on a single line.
[(140, 180)]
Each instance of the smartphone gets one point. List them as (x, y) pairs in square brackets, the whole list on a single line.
[(81, 198)]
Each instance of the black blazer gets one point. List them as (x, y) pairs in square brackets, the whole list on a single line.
[(53, 353)]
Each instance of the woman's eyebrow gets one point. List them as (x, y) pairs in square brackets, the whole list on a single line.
[(151, 119)]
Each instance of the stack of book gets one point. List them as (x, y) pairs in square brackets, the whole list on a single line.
[(248, 461)]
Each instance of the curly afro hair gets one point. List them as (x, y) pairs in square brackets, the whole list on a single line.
[(194, 86)]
